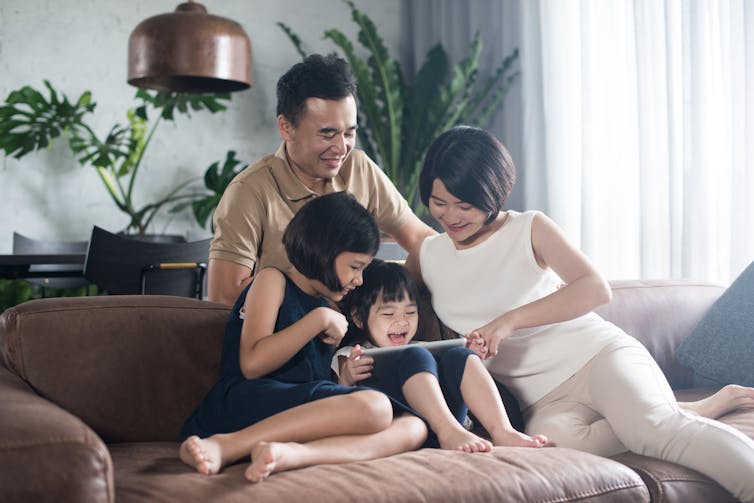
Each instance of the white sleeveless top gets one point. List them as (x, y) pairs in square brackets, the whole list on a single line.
[(471, 287)]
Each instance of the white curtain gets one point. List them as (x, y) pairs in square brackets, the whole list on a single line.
[(638, 131)]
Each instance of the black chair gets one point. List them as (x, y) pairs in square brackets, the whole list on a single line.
[(123, 265), (26, 245)]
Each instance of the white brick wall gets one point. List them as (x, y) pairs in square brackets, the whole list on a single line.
[(82, 44)]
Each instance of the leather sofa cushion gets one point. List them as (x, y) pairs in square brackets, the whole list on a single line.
[(140, 384), (147, 472)]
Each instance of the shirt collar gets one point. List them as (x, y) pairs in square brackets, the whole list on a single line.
[(293, 188)]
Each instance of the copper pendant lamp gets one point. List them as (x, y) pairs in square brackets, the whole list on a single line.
[(189, 51)]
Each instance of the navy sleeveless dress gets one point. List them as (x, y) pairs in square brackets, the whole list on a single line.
[(235, 402)]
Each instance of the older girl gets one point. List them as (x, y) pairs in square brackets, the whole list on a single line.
[(275, 399)]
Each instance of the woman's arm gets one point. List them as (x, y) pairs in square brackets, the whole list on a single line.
[(584, 287), (263, 351)]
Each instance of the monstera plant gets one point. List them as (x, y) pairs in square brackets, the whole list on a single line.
[(29, 121), (216, 179), (399, 118)]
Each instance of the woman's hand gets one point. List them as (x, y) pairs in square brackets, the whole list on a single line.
[(334, 325), (477, 344), (356, 367), (492, 334)]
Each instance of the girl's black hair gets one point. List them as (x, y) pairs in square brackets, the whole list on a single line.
[(473, 165), (324, 228), (383, 282)]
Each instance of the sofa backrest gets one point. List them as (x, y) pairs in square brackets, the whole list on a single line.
[(131, 367), (134, 367), (661, 314)]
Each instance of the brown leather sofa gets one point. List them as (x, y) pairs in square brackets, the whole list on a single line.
[(93, 391)]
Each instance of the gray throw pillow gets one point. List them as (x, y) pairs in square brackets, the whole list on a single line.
[(720, 349)]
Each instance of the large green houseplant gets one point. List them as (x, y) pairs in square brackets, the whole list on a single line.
[(216, 178), (399, 119), (29, 122)]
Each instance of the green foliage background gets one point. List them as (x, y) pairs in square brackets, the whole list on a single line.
[(29, 121), (399, 119)]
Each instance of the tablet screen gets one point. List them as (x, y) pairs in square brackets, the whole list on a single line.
[(434, 347)]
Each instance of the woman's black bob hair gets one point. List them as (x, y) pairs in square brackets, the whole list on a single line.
[(473, 165), (324, 228), (383, 282)]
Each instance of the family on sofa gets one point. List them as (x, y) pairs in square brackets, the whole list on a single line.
[(509, 282)]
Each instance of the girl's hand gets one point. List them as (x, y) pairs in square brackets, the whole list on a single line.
[(334, 325), (493, 333), (356, 367), (477, 344)]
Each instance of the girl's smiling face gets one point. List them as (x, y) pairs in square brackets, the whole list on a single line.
[(392, 323), (349, 267)]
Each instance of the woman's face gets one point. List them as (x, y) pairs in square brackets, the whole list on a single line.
[(392, 323), (464, 223), (349, 267)]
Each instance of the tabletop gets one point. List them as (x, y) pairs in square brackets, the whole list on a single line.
[(38, 265)]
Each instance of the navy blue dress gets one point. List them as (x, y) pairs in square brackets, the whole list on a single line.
[(235, 402)]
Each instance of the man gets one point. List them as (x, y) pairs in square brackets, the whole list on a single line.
[(317, 122)]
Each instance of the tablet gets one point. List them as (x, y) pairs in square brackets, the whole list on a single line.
[(434, 347)]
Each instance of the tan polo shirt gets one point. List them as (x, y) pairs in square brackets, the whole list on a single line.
[(262, 199)]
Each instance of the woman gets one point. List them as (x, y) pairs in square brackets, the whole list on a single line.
[(514, 280)]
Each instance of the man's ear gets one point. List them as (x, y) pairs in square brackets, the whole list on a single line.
[(285, 128)]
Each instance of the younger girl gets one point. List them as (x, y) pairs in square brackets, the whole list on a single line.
[(275, 399), (514, 280), (383, 312)]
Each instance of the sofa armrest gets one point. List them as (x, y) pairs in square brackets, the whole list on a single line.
[(46, 453)]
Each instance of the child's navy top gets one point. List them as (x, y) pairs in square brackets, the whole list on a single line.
[(235, 402)]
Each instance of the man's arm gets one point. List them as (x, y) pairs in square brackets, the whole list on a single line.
[(226, 280), (411, 234)]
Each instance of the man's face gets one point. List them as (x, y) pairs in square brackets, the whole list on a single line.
[(323, 137)]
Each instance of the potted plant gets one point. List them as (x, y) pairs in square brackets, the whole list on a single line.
[(398, 119), (29, 122), (216, 179)]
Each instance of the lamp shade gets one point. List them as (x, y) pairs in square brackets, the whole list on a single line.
[(189, 51)]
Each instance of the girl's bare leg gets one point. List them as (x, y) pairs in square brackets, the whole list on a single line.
[(405, 433), (483, 400), (423, 394), (357, 413), (726, 400)]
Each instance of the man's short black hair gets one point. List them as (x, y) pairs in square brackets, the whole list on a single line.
[(383, 282), (473, 165), (327, 77), (324, 228)]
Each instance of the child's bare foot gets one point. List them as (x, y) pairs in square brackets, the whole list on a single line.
[(727, 399), (270, 457), (459, 439), (513, 438), (204, 454)]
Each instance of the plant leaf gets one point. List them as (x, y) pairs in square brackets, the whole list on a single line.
[(295, 40)]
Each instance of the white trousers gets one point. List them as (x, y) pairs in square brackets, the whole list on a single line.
[(621, 401)]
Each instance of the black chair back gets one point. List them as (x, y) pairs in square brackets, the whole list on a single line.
[(123, 265), (26, 245)]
